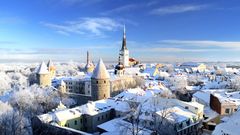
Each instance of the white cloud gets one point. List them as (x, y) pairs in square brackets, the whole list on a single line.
[(204, 43), (172, 49), (90, 26), (124, 8), (177, 9)]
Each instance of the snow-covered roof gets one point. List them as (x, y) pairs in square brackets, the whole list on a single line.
[(119, 127), (91, 108), (177, 114), (100, 72), (190, 64), (228, 97), (137, 94), (50, 63), (203, 96), (231, 127), (42, 69)]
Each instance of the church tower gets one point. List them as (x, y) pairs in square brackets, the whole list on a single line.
[(124, 53), (119, 68), (89, 66), (100, 82), (43, 75), (51, 69)]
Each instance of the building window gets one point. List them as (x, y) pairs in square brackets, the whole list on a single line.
[(104, 81), (102, 117), (227, 110), (186, 107), (98, 118), (81, 120), (75, 122), (235, 110), (97, 82)]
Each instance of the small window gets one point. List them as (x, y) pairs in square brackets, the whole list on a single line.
[(102, 117), (75, 122), (227, 110), (186, 107), (235, 110), (98, 118), (97, 82), (106, 115), (81, 120), (104, 81)]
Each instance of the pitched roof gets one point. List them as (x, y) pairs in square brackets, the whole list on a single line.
[(100, 72), (50, 63), (42, 69)]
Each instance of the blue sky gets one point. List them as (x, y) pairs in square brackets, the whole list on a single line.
[(157, 30)]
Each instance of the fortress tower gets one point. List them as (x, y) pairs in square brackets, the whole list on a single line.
[(43, 75), (51, 69), (100, 82)]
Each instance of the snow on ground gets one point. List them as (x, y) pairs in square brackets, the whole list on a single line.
[(231, 127)]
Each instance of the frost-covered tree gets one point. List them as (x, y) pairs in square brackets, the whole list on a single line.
[(12, 122), (5, 82), (178, 83), (235, 83)]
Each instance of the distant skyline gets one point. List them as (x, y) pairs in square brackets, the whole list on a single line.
[(157, 30)]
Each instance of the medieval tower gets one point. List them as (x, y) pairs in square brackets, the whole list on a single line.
[(43, 75), (51, 69), (119, 68), (89, 66), (100, 82), (124, 53)]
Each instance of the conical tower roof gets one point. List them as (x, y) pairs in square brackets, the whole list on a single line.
[(100, 72), (50, 63), (42, 69)]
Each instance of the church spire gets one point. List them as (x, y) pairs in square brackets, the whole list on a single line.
[(124, 44), (88, 59)]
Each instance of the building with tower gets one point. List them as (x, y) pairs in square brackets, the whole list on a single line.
[(51, 69), (100, 82), (89, 66), (43, 76), (119, 68), (124, 53)]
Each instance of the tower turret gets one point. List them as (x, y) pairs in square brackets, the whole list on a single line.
[(89, 66), (119, 68), (43, 75), (100, 82), (51, 69)]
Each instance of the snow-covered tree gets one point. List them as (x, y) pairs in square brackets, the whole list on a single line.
[(235, 83), (5, 82), (178, 83), (12, 122)]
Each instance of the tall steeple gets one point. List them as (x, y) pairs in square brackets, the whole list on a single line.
[(88, 58), (124, 42), (89, 66), (124, 53)]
